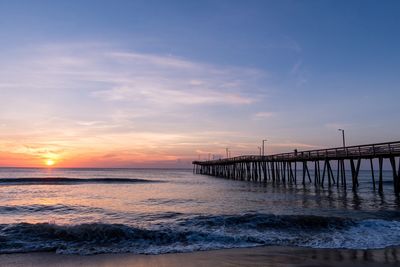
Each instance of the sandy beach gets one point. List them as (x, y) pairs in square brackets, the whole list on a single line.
[(259, 256)]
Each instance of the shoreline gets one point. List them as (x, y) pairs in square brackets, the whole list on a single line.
[(256, 256)]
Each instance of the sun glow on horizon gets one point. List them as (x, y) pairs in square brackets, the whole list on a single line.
[(50, 162)]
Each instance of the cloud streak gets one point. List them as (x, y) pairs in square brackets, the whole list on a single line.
[(263, 115)]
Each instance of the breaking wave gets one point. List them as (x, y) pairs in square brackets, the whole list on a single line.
[(201, 233)]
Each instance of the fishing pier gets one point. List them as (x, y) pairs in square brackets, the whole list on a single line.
[(328, 166)]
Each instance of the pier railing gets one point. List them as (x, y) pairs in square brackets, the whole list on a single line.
[(384, 150)]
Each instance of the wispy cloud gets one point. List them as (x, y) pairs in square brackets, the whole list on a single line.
[(287, 43), (114, 75), (172, 96), (263, 115), (156, 60), (299, 73)]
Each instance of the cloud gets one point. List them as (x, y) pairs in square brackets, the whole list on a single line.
[(172, 96), (168, 81), (299, 73), (263, 115), (114, 75), (155, 60), (287, 43)]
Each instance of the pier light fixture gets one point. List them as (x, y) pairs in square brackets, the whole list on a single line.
[(344, 140), (263, 146), (259, 150)]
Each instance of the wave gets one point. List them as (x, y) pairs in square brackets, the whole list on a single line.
[(201, 233), (262, 221), (67, 180), (53, 209)]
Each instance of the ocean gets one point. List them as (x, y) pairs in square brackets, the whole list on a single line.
[(154, 211)]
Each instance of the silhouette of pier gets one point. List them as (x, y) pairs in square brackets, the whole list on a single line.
[(282, 168)]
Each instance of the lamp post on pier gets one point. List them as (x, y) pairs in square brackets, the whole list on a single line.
[(344, 140), (263, 148), (259, 149)]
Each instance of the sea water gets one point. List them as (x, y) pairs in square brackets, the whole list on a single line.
[(153, 211)]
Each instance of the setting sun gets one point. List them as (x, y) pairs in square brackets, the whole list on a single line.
[(50, 162)]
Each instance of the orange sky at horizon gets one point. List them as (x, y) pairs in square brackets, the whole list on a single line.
[(8, 159), (111, 155)]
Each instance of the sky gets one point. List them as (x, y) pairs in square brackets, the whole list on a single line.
[(161, 83)]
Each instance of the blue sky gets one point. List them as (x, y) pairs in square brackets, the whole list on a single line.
[(160, 82)]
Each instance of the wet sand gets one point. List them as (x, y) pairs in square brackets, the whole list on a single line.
[(260, 256)]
